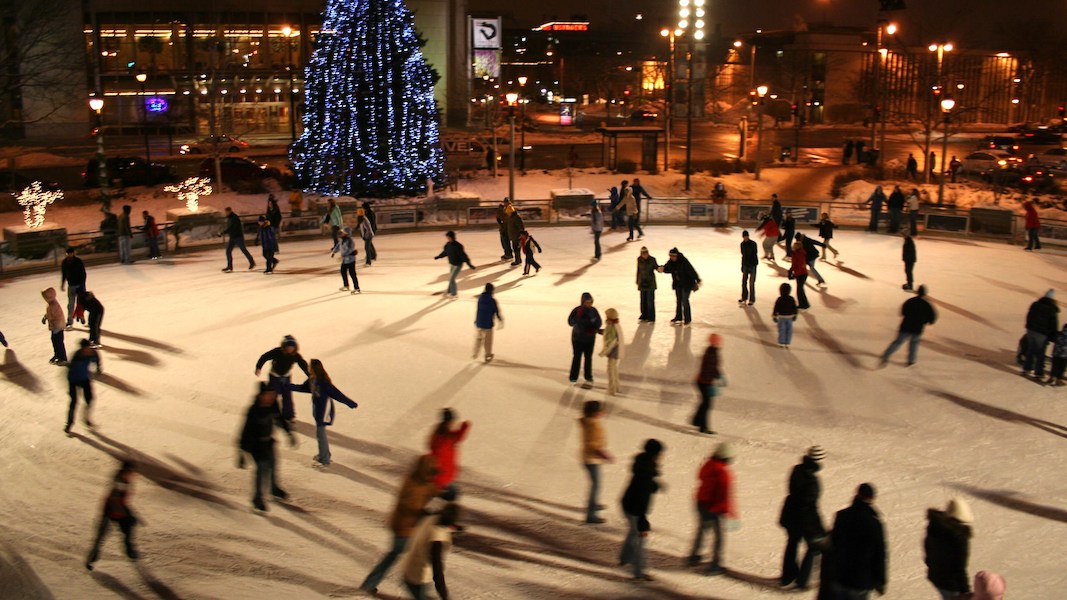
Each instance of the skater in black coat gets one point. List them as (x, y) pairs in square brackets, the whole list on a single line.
[(585, 323), (116, 508), (948, 545), (635, 503), (908, 254), (789, 231), (95, 311), (282, 360), (257, 439), (801, 520), (79, 376), (684, 281), (858, 539)]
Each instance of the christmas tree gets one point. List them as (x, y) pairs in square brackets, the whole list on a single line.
[(370, 118)]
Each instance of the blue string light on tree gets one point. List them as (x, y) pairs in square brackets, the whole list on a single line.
[(370, 119)]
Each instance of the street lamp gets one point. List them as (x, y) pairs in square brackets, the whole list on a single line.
[(141, 78), (947, 105), (691, 23), (940, 49), (881, 83), (752, 60), (761, 91), (670, 34), (522, 128), (288, 32), (511, 97), (96, 103)]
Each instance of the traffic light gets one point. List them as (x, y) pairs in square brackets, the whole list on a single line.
[(796, 109), (1062, 111)]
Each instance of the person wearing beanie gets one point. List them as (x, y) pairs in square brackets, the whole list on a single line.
[(282, 360), (708, 381), (457, 257), (909, 257), (78, 376), (749, 262), (235, 232), (684, 281), (585, 324), (596, 216), (1042, 324), (646, 285), (257, 439), (988, 586), (785, 315), (347, 247), (715, 504), (444, 446), (635, 505), (917, 313), (594, 453), (947, 547), (486, 316), (116, 508), (612, 348), (858, 540), (801, 520), (268, 242)]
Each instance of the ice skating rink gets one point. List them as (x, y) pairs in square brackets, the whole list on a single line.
[(181, 340)]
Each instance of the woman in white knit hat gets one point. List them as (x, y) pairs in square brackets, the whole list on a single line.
[(947, 545)]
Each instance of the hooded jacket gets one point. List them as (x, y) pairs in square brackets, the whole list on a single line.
[(53, 315), (585, 322), (715, 493), (801, 507), (415, 493), (638, 495), (443, 448), (646, 273), (1041, 317), (683, 275), (947, 546)]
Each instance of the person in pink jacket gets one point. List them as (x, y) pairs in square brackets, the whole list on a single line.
[(54, 318), (443, 446)]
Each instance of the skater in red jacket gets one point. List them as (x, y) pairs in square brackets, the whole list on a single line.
[(443, 446)]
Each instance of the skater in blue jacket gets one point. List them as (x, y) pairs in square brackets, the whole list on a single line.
[(323, 393)]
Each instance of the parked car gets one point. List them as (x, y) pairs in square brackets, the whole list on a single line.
[(208, 145), (984, 161), (130, 170), (14, 182), (1032, 177), (1006, 143), (1053, 157), (238, 168), (1040, 136), (639, 116)]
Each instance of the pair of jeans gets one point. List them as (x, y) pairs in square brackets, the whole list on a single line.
[(648, 305), (280, 383), (505, 243), (153, 246), (633, 547), (634, 222), (1035, 352), (453, 272), (59, 348), (349, 269), (594, 491), (95, 319), (791, 571), (87, 391), (582, 348), (1032, 241), (682, 310), (713, 521), (124, 249), (700, 418), (596, 244), (237, 242), (813, 271), (484, 340), (368, 248), (72, 301), (265, 474), (378, 573), (802, 294), (324, 444), (913, 346), (785, 330), (748, 283)]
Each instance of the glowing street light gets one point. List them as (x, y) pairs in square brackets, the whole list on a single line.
[(694, 31)]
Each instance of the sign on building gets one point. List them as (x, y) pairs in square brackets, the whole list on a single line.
[(487, 33)]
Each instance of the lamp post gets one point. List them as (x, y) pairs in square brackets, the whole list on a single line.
[(761, 91), (522, 125), (288, 33), (669, 96), (96, 103), (882, 83), (940, 49), (691, 23), (947, 104), (141, 78), (511, 97)]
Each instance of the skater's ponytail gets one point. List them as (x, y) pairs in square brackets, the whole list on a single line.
[(319, 371)]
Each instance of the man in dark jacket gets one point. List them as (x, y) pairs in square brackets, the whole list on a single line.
[(257, 439), (635, 502), (282, 360), (486, 316), (515, 229), (236, 233), (72, 279), (646, 284), (811, 253), (125, 232), (917, 313), (801, 520), (859, 548), (749, 262), (909, 256), (895, 204), (789, 230), (585, 323), (78, 376), (684, 281), (947, 546), (457, 257), (502, 225), (1041, 324)]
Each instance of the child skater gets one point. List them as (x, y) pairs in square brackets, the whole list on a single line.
[(528, 243), (116, 509), (323, 393), (785, 314), (612, 348), (826, 232)]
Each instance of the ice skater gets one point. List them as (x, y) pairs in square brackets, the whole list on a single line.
[(415, 493), (785, 315), (1032, 225), (515, 227), (1059, 358), (125, 232), (585, 323), (811, 254), (257, 439), (457, 257), (646, 285), (502, 227), (72, 279), (912, 203), (444, 446), (788, 232), (801, 520), (151, 235), (594, 454), (684, 281), (876, 199), (53, 318), (334, 219), (95, 310), (798, 270), (236, 234), (116, 508), (635, 506), (424, 562), (528, 244), (348, 251), (858, 539), (947, 546), (770, 230), (715, 504), (323, 393), (274, 217), (909, 256), (1042, 323), (366, 233), (268, 242), (826, 232), (708, 381), (612, 348), (633, 213), (282, 360), (596, 216), (78, 376), (749, 262), (917, 313), (485, 318)]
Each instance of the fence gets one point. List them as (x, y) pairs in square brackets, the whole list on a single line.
[(97, 247)]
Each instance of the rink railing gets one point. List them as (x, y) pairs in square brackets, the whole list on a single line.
[(96, 247)]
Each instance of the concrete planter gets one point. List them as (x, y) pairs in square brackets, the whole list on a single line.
[(28, 243)]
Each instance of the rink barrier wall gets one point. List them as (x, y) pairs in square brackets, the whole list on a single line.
[(96, 247)]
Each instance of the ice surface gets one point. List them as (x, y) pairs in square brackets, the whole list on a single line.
[(181, 340)]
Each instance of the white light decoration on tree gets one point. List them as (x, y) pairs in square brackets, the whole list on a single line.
[(36, 199), (190, 191)]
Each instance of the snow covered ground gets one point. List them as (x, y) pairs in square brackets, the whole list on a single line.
[(181, 340)]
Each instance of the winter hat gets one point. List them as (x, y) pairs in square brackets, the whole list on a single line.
[(816, 453), (724, 451), (587, 296), (347, 230), (988, 586), (653, 447), (1051, 293), (715, 340), (288, 341), (674, 252), (644, 248), (922, 290), (865, 491), (447, 415), (959, 509), (611, 314)]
